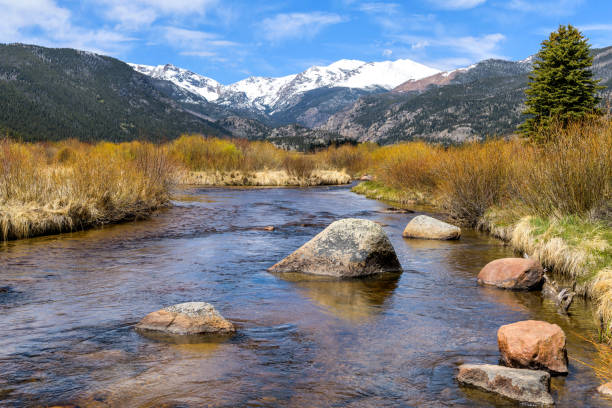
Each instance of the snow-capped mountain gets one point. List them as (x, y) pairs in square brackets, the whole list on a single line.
[(273, 94), (200, 85)]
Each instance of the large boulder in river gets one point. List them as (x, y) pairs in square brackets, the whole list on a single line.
[(512, 273), (425, 227), (187, 318), (346, 249), (533, 344), (527, 386)]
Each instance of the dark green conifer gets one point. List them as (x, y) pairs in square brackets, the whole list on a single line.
[(561, 87)]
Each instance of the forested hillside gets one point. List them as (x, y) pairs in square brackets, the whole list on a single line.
[(54, 94)]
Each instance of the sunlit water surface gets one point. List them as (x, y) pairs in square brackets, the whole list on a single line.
[(70, 302)]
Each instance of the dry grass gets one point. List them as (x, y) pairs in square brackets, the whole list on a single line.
[(55, 188), (269, 178), (603, 363), (66, 186)]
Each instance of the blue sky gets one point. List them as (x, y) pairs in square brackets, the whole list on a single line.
[(229, 40)]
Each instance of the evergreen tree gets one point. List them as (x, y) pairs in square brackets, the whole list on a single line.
[(561, 87)]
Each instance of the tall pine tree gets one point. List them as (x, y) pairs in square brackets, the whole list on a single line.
[(561, 87)]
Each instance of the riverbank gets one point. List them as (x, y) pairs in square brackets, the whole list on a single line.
[(264, 178), (47, 189), (577, 250), (552, 201)]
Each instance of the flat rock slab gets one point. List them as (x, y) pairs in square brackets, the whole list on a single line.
[(187, 318), (347, 248), (425, 227), (528, 386), (512, 273), (533, 344)]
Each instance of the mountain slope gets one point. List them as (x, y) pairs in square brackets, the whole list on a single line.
[(51, 94), (486, 99), (307, 98)]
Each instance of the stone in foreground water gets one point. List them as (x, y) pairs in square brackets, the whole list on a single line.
[(533, 344), (528, 386), (425, 227), (187, 318), (605, 389), (512, 273), (347, 248)]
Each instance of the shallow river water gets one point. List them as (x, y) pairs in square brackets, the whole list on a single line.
[(69, 304)]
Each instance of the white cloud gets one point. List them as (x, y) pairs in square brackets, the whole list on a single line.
[(457, 4), (43, 22), (297, 25), (387, 52), (134, 14)]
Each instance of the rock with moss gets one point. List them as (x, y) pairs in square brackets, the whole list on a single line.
[(347, 248), (187, 318)]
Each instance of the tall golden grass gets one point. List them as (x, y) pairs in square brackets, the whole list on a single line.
[(570, 175), (54, 187), (209, 160), (67, 186)]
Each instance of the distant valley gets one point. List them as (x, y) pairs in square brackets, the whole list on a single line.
[(51, 94)]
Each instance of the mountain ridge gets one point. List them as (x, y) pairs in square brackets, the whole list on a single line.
[(273, 97)]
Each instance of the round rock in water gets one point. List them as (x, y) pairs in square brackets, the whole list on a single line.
[(187, 318), (512, 273), (425, 227), (347, 248)]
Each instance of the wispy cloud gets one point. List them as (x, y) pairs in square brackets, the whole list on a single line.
[(596, 27), (135, 14), (43, 22), (196, 43), (456, 4), (546, 7), (297, 25), (457, 50), (391, 17)]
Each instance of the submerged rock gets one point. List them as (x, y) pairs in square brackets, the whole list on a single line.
[(605, 389), (512, 273), (395, 210), (425, 227), (346, 249), (187, 318), (520, 385), (533, 344)]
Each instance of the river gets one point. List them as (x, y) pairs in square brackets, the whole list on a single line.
[(69, 303)]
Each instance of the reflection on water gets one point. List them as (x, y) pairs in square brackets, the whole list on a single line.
[(355, 300), (71, 301)]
